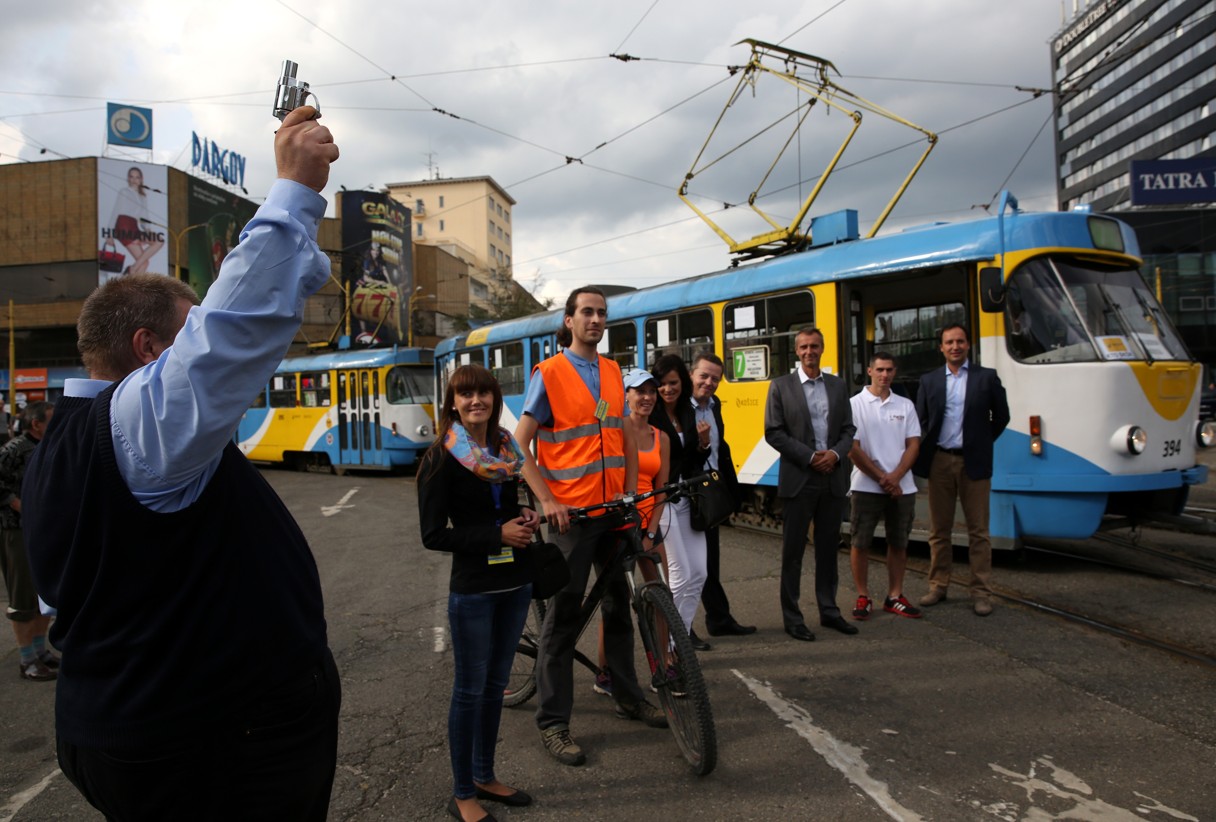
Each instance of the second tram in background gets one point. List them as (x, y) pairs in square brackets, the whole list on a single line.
[(368, 409), (1103, 394)]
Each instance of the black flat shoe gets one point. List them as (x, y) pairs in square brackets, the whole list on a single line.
[(838, 624), (801, 632), (734, 629), (698, 644), (518, 799), (454, 810)]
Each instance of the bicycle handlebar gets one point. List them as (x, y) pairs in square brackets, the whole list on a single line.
[(673, 490)]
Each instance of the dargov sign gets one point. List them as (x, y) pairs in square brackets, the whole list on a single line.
[(1173, 182)]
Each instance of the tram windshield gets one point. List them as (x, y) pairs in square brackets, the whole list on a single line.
[(1062, 311)]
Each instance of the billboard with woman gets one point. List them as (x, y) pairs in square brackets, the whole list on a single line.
[(133, 215)]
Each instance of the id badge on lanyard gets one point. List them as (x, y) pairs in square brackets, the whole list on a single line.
[(507, 554)]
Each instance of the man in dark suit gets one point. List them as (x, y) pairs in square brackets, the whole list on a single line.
[(713, 449), (809, 420), (962, 410)]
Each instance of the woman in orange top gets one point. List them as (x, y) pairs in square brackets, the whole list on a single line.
[(654, 461)]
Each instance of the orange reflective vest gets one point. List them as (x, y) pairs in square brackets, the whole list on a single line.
[(582, 458)]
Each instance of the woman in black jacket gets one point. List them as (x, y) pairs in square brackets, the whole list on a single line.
[(468, 502)]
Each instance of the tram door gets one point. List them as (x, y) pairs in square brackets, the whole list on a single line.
[(360, 439), (902, 315)]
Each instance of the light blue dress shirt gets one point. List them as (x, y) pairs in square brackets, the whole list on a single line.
[(171, 419), (951, 435), (817, 406), (705, 413)]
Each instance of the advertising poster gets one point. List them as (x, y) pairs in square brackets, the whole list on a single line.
[(377, 267), (133, 218), (216, 218)]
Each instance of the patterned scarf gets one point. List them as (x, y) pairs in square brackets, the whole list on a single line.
[(481, 461)]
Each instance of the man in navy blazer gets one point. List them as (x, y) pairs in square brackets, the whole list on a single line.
[(962, 410), (809, 420)]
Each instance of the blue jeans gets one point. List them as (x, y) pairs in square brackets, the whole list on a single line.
[(485, 632)]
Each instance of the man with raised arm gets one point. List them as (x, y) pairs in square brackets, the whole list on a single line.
[(196, 679), (585, 454)]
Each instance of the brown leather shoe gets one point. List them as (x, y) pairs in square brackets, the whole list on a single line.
[(36, 672), (982, 606), (934, 596)]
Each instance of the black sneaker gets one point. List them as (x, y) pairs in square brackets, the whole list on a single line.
[(863, 608), (643, 712), (900, 607), (561, 747)]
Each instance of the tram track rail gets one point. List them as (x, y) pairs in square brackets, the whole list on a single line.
[(1099, 624)]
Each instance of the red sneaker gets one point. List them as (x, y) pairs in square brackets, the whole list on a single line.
[(861, 611)]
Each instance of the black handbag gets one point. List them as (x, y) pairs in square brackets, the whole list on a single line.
[(550, 573), (712, 502)]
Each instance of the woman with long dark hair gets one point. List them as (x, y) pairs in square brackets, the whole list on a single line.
[(468, 502), (686, 548)]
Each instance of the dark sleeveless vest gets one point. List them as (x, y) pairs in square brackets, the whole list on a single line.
[(168, 622)]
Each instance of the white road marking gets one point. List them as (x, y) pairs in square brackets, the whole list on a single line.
[(840, 755), (1059, 786), (330, 510), (1045, 782), (21, 799)]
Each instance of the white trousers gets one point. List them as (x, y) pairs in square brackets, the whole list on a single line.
[(687, 565)]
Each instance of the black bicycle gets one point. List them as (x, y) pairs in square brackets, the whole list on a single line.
[(675, 673)]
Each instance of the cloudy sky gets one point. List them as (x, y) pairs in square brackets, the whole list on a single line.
[(592, 147)]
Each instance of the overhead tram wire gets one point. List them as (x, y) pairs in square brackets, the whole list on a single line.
[(819, 16), (635, 26)]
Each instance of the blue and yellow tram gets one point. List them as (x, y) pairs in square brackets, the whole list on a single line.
[(368, 409), (1104, 395)]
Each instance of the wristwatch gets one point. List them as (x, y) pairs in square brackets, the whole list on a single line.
[(650, 535)]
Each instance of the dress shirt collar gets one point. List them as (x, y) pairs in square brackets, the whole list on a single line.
[(804, 378), (84, 388), (963, 369)]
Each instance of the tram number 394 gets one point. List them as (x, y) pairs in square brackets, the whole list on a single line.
[(1171, 448)]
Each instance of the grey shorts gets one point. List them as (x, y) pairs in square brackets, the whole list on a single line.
[(18, 581), (896, 512)]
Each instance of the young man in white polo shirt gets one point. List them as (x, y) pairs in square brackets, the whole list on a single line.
[(884, 448)]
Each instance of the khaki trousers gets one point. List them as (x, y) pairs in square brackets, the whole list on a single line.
[(948, 481)]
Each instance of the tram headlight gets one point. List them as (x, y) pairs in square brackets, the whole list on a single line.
[(424, 430), (1130, 439), (1205, 434)]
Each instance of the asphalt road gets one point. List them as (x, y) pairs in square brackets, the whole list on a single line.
[(1015, 716)]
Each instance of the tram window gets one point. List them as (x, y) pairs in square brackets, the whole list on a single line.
[(620, 343), (260, 400), (766, 325), (407, 386), (283, 391), (314, 390), (507, 365), (913, 335), (685, 334)]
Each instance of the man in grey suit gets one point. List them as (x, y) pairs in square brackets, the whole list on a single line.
[(809, 420)]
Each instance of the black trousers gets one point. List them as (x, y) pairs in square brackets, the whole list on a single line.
[(713, 595), (276, 762), (813, 503), (584, 545)]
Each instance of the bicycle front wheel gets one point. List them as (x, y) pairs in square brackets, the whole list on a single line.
[(676, 676), (522, 682)]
